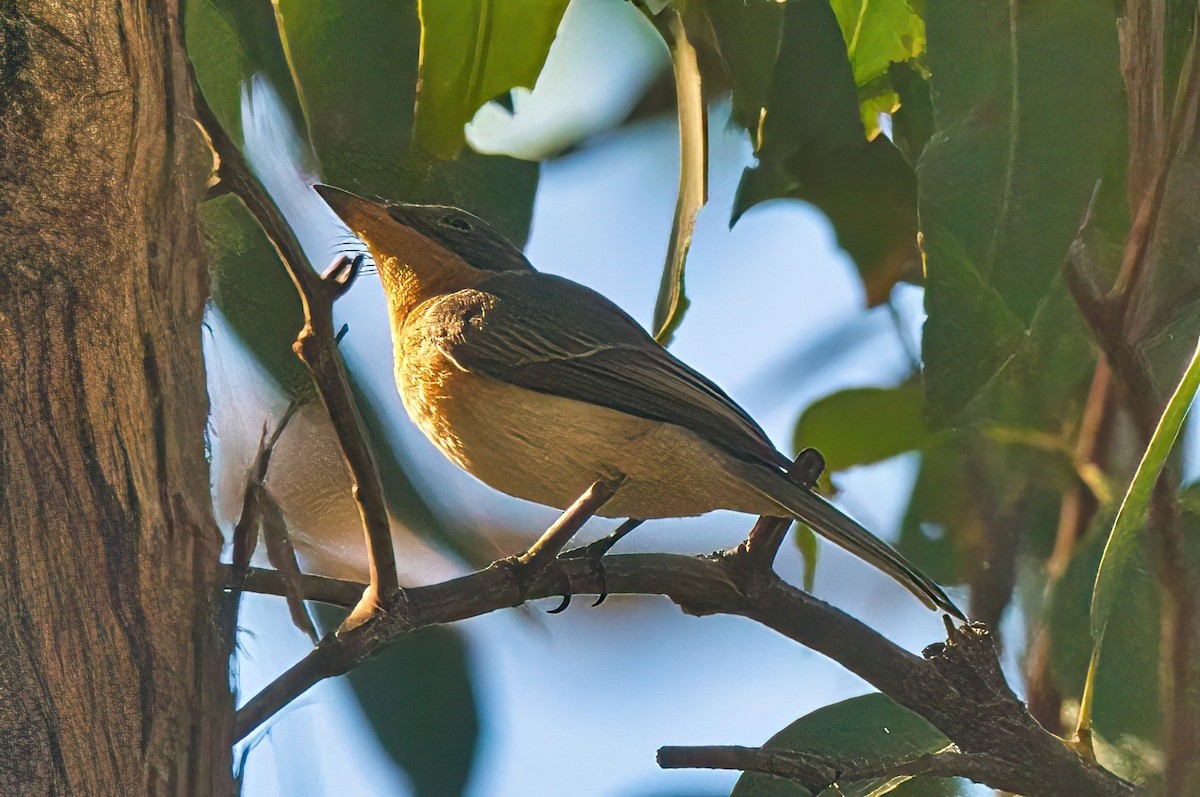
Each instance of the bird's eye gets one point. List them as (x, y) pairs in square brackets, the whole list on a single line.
[(457, 222)]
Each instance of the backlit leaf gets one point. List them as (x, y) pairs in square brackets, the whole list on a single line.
[(355, 62), (1119, 562), (864, 425), (471, 52), (812, 147)]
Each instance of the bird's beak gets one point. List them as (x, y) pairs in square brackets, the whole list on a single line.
[(345, 204), (384, 235)]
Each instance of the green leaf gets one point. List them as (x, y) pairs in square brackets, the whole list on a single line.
[(870, 727), (806, 541), (1128, 696), (473, 51), (878, 33), (672, 302), (1119, 562), (969, 335), (1004, 184), (1029, 107), (356, 64), (864, 425), (812, 66), (228, 42), (746, 37), (420, 699), (1041, 386), (812, 147), (874, 99)]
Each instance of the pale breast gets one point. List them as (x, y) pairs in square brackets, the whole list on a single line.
[(549, 449)]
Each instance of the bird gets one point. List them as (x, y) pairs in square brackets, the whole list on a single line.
[(540, 386)]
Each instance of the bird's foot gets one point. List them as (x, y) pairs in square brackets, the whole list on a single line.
[(523, 573), (593, 554), (543, 553)]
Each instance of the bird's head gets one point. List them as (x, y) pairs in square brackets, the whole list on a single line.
[(423, 251)]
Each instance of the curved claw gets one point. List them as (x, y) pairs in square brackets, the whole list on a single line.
[(562, 607), (594, 553), (595, 561)]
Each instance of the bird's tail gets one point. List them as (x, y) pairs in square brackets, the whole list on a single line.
[(828, 521)]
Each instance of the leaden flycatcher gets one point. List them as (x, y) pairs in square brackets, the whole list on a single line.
[(539, 387)]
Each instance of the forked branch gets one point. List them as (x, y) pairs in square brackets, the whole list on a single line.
[(316, 346)]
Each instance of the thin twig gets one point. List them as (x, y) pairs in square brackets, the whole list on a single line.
[(817, 773), (1078, 504), (1076, 511), (763, 541), (1145, 221), (245, 531), (265, 581), (315, 345)]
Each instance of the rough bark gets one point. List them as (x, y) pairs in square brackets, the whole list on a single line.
[(113, 678)]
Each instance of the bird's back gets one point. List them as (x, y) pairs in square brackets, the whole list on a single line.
[(542, 414), (551, 335)]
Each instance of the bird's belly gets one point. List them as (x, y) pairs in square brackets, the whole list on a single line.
[(549, 449)]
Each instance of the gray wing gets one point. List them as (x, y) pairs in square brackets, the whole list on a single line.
[(548, 334)]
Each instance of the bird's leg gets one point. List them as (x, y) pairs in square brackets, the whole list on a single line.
[(605, 544), (528, 566), (594, 554)]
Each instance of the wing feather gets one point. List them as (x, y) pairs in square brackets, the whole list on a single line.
[(548, 334)]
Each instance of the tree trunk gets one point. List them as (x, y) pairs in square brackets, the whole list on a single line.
[(113, 676)]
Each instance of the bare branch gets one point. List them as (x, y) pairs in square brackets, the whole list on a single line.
[(245, 531), (334, 591), (817, 773), (957, 686)]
